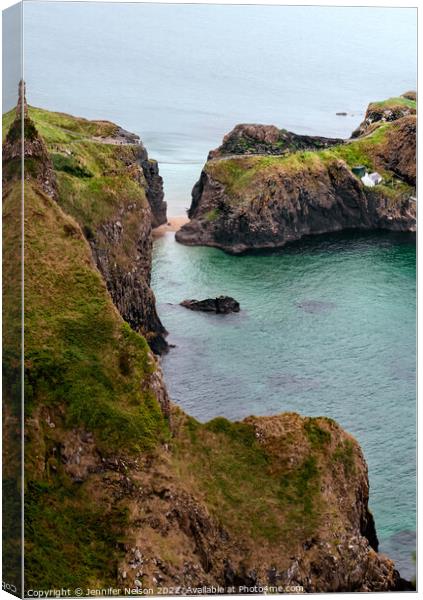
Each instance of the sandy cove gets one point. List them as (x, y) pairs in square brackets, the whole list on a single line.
[(173, 224)]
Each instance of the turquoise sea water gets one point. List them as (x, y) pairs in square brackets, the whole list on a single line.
[(327, 326)]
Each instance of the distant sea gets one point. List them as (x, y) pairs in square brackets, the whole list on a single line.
[(327, 325)]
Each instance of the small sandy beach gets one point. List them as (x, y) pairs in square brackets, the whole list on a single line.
[(173, 224)]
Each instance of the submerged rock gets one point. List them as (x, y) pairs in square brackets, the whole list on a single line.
[(316, 306), (220, 305)]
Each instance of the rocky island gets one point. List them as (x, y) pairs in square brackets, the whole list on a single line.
[(265, 187), (220, 305), (122, 487)]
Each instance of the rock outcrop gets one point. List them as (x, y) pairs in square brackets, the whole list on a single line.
[(247, 202), (155, 192), (32, 151), (152, 180), (268, 139), (386, 112), (320, 534), (398, 153), (124, 260), (220, 305)]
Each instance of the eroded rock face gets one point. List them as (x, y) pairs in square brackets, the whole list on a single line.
[(122, 246), (128, 272), (398, 154), (337, 557), (155, 192), (288, 206), (268, 139), (379, 112)]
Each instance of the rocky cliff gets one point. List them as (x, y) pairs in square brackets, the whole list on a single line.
[(254, 198), (123, 489), (386, 111), (106, 181), (268, 139)]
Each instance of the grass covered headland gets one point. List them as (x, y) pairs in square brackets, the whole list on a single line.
[(265, 187)]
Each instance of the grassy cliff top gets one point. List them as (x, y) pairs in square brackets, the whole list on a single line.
[(390, 103), (241, 174), (274, 480), (61, 127), (94, 175)]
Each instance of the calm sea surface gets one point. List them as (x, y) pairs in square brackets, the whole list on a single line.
[(327, 326)]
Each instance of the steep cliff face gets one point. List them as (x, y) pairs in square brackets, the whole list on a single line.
[(243, 202), (398, 153), (106, 181), (278, 501), (121, 488), (387, 111), (92, 385)]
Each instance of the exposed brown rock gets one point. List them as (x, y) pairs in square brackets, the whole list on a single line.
[(398, 153), (287, 200), (287, 206), (268, 139), (380, 113), (411, 95), (337, 557), (33, 152), (128, 276)]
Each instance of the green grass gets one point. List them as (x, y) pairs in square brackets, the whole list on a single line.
[(75, 339), (79, 353), (84, 366), (70, 165), (318, 437), (94, 179), (7, 120), (243, 175), (344, 454), (60, 127), (299, 492), (250, 487), (213, 214), (70, 541), (396, 101)]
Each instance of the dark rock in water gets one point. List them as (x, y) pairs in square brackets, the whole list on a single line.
[(341, 114), (220, 305)]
